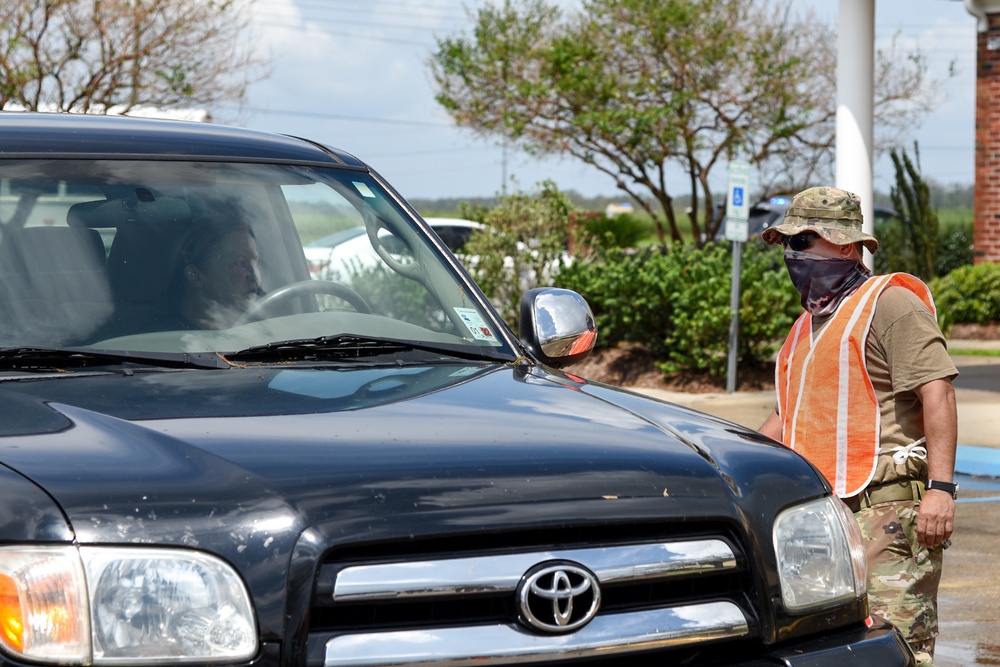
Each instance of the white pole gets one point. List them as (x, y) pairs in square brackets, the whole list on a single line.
[(855, 94)]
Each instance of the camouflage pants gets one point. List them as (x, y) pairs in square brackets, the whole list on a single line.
[(903, 576)]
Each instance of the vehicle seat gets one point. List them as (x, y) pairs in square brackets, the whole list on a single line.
[(141, 267), (142, 257), (55, 287)]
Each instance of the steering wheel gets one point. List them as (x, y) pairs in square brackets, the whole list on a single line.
[(265, 304)]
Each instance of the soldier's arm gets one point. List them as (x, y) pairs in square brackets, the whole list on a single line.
[(772, 426), (937, 510)]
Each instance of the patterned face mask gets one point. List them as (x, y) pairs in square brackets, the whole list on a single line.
[(824, 282)]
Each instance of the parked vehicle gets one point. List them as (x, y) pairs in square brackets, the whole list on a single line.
[(373, 473), (338, 255), (346, 253)]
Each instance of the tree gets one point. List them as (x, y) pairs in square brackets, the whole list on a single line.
[(911, 243), (99, 56), (523, 245), (636, 88)]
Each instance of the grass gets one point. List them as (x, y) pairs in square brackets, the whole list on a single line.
[(955, 216), (974, 352)]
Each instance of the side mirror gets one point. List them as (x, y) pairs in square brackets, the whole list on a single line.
[(557, 326)]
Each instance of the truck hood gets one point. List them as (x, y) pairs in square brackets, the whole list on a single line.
[(371, 444), (269, 467), (377, 445)]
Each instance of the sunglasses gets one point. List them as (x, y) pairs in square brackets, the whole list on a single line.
[(799, 242)]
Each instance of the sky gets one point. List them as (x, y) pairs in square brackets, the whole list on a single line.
[(354, 74)]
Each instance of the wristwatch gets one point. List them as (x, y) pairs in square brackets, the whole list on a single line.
[(947, 487)]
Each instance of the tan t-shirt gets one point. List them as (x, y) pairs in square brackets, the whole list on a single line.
[(905, 349)]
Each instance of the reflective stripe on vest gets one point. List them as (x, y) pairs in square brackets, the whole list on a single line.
[(829, 411)]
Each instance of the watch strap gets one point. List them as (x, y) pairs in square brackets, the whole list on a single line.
[(947, 487)]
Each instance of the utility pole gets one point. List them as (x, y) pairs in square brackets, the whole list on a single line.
[(503, 169)]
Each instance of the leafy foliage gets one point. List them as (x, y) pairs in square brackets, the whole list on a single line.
[(920, 241), (522, 245), (625, 230), (910, 242), (968, 295), (954, 247), (98, 56), (676, 302), (635, 88), (395, 296)]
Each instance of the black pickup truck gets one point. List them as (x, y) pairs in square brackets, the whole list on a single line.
[(223, 444)]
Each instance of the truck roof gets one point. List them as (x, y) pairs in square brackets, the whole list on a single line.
[(64, 135)]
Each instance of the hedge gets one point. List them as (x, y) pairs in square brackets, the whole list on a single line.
[(676, 302), (968, 295)]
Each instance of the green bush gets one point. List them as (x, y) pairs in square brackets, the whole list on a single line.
[(675, 302), (968, 295), (955, 246), (625, 230), (627, 291), (521, 246), (919, 229)]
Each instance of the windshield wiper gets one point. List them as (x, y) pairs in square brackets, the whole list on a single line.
[(349, 346), (74, 357)]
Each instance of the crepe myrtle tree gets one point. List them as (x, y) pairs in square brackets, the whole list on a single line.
[(102, 56), (659, 95)]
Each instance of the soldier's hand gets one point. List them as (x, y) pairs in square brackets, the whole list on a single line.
[(936, 518)]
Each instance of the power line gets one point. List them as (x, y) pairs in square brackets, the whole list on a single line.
[(333, 116), (324, 15), (352, 35), (397, 9), (342, 21)]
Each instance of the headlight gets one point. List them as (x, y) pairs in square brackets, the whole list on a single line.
[(144, 606), (821, 557), (43, 613)]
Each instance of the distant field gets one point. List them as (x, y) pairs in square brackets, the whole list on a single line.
[(948, 217)]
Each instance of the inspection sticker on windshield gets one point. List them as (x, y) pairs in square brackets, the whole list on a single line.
[(364, 190), (476, 323)]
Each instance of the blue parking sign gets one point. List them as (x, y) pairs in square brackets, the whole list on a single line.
[(738, 209)]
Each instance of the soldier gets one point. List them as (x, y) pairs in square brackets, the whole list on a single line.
[(864, 388)]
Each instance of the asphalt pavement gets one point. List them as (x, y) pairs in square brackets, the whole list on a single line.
[(969, 597)]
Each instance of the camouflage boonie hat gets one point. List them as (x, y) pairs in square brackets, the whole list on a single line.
[(832, 213)]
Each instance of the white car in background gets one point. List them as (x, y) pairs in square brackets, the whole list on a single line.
[(348, 252), (347, 256)]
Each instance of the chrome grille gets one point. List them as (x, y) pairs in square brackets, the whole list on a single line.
[(461, 610)]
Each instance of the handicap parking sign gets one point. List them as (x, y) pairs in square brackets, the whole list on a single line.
[(738, 209)]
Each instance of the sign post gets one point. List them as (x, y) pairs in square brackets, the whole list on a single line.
[(737, 230)]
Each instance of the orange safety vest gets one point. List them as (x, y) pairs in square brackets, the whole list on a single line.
[(828, 408)]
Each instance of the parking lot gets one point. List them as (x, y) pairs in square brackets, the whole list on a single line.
[(970, 587)]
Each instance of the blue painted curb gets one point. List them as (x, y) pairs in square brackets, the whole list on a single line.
[(980, 461)]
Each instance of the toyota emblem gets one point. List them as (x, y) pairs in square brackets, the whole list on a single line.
[(558, 597)]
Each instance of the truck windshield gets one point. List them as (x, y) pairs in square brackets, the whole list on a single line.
[(194, 257)]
